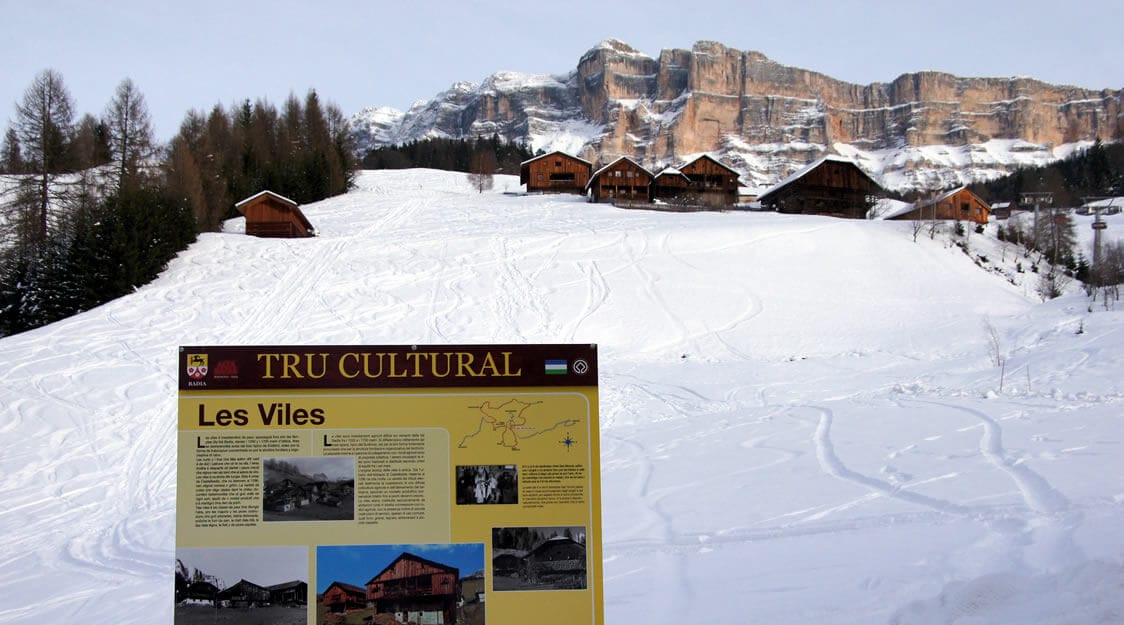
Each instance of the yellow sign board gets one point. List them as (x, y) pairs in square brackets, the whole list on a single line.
[(427, 484)]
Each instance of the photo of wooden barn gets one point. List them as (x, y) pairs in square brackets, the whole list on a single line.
[(538, 558), (833, 186), (412, 588), (556, 172), (289, 593), (341, 598), (244, 594), (957, 205), (622, 180), (271, 215)]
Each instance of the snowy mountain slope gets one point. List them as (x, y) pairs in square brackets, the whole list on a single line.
[(800, 419)]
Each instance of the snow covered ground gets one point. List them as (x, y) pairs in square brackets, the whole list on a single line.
[(801, 419)]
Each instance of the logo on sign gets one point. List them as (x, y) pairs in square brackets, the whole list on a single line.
[(196, 366), (226, 369)]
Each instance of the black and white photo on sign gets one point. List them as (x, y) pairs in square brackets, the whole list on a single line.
[(487, 484), (539, 558), (243, 584), (308, 489)]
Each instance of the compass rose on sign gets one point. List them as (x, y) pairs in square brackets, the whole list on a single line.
[(568, 442)]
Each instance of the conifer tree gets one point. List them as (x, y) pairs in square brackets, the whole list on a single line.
[(131, 140), (44, 125)]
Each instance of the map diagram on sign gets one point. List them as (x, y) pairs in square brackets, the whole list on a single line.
[(508, 424)]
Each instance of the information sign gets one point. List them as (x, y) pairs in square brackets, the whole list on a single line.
[(389, 484)]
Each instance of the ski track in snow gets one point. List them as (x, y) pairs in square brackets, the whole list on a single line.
[(763, 455)]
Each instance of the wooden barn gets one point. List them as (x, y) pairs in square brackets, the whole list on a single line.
[(244, 594), (341, 598), (412, 588), (958, 205), (671, 185), (556, 172), (623, 179), (833, 186), (711, 182), (271, 215), (201, 591), (289, 593), (559, 558)]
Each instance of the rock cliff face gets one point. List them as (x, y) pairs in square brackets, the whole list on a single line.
[(925, 129)]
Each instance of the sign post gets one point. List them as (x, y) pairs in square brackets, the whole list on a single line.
[(428, 484)]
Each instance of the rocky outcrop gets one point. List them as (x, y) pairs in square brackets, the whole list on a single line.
[(768, 119)]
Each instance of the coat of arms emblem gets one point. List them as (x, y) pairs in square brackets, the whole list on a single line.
[(196, 366)]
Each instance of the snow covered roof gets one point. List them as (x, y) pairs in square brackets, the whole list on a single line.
[(556, 152), (887, 208), (619, 159), (255, 196), (947, 194), (598, 172), (712, 159), (671, 171), (800, 173)]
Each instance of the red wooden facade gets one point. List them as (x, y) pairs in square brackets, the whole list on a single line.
[(556, 172), (413, 588), (832, 186), (341, 597), (271, 215), (623, 179), (958, 205)]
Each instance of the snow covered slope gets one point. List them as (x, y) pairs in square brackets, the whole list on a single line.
[(801, 422)]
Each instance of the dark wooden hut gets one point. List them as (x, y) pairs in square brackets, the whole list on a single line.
[(958, 204), (244, 594), (341, 597), (559, 558), (271, 215), (671, 185), (711, 182), (289, 593), (415, 589), (556, 172), (622, 180), (833, 186)]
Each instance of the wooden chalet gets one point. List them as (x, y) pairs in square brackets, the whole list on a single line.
[(508, 562), (289, 593), (559, 557), (271, 215), (412, 588), (201, 591), (341, 598), (833, 186), (671, 185), (958, 204), (244, 594), (711, 182), (622, 180), (556, 172)]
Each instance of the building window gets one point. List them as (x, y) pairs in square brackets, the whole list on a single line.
[(557, 163)]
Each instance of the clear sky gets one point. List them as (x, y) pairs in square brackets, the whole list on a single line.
[(358, 54), (357, 564)]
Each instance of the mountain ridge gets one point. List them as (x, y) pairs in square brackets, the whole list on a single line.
[(921, 130)]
